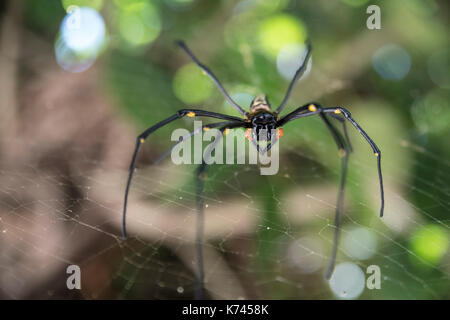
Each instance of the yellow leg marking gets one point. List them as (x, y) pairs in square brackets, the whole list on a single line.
[(142, 140), (312, 108), (206, 128), (376, 154), (342, 153), (226, 131), (337, 111), (191, 114)]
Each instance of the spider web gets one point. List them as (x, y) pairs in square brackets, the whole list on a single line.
[(63, 169), (264, 233)]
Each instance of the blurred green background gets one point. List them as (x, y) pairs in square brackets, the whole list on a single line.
[(106, 70)]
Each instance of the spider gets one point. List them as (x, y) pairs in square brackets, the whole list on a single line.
[(259, 121)]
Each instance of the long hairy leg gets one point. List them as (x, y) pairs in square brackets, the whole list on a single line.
[(200, 226), (141, 139), (344, 126), (190, 135), (344, 152), (375, 149), (213, 77), (313, 109), (300, 71), (344, 149)]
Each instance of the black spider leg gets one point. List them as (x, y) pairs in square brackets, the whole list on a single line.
[(213, 77), (344, 126), (188, 136), (141, 138), (199, 184), (300, 71), (344, 152), (375, 149), (344, 148), (312, 109), (200, 175)]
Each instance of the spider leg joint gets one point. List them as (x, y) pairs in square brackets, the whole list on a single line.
[(191, 114), (312, 108)]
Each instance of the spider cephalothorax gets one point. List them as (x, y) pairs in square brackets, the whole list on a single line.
[(263, 120), (261, 117)]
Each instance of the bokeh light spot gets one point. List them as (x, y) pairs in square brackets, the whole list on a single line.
[(81, 37), (191, 85), (431, 113), (430, 243), (347, 281), (289, 60), (69, 60), (360, 243), (305, 254), (83, 29), (139, 23), (279, 31), (391, 62)]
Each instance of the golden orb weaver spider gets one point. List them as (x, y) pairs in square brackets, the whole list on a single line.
[(261, 118)]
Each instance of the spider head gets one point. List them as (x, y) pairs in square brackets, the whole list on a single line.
[(261, 118)]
